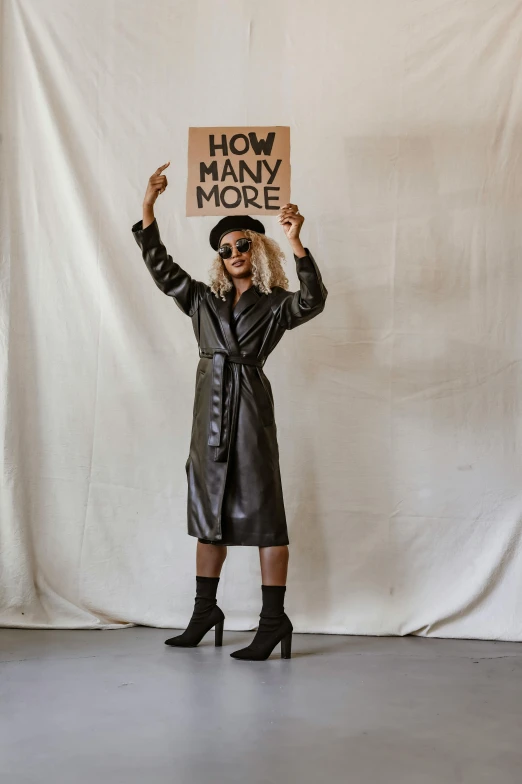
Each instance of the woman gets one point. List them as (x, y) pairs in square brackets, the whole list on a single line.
[(234, 484)]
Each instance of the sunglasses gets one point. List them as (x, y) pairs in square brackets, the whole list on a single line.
[(243, 244)]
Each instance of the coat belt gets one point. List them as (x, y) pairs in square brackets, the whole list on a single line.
[(219, 358)]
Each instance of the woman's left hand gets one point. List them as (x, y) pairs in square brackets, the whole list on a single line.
[(291, 220)]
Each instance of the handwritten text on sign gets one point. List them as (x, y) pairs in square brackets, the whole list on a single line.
[(238, 170)]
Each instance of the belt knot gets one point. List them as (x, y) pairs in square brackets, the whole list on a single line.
[(219, 358)]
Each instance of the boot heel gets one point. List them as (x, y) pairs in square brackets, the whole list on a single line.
[(218, 633), (286, 646)]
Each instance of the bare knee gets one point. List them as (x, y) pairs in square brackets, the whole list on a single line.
[(274, 564), (277, 553), (210, 558)]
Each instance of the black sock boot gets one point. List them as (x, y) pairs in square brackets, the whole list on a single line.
[(274, 627), (206, 615)]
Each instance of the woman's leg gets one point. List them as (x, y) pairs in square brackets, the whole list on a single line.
[(274, 564), (274, 624), (206, 614), (209, 559)]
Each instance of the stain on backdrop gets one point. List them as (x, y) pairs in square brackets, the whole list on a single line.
[(238, 170)]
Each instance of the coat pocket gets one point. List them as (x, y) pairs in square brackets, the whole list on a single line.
[(266, 401), (197, 392)]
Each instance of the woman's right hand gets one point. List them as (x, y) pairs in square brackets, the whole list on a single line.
[(156, 185)]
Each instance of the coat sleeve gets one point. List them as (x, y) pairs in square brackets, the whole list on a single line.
[(295, 308), (167, 274)]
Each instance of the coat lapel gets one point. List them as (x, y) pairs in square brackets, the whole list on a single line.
[(250, 297), (224, 311), (229, 315)]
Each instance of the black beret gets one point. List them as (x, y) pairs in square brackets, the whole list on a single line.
[(233, 223)]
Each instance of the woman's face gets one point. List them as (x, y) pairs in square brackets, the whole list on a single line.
[(238, 265)]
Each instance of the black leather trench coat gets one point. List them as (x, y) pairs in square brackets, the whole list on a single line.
[(234, 483)]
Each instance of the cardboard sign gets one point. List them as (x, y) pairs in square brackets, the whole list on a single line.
[(238, 170)]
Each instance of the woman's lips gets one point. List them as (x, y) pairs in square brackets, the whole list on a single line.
[(237, 263)]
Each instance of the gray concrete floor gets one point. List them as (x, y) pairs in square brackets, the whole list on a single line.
[(121, 707)]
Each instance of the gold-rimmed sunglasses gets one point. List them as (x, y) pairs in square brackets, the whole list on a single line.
[(242, 245)]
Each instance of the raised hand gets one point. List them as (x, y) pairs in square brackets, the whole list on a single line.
[(156, 185), (291, 220)]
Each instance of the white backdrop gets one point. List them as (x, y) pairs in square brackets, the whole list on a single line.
[(403, 491)]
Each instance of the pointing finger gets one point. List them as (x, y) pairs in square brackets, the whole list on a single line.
[(160, 168)]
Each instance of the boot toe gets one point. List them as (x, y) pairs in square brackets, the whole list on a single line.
[(244, 654), (175, 642)]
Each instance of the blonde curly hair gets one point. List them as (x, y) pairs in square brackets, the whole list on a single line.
[(267, 267)]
